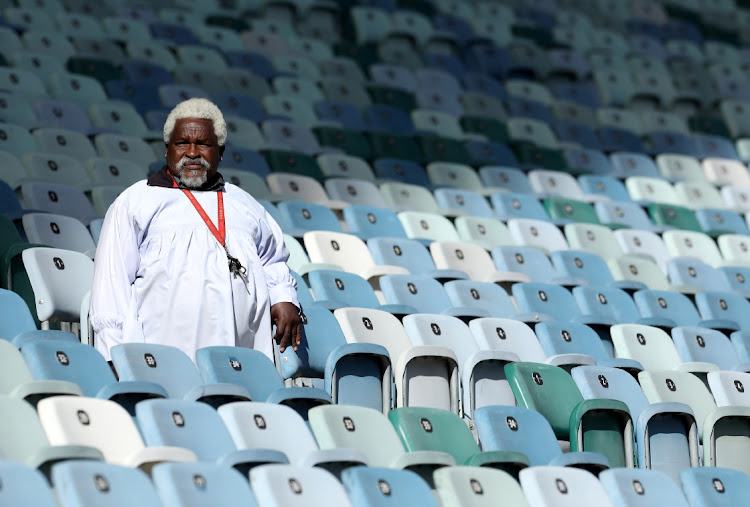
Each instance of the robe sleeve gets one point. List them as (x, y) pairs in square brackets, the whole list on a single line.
[(273, 254), (115, 267)]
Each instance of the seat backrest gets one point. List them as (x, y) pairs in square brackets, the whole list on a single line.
[(547, 389), (485, 232), (690, 271), (514, 205), (555, 183), (245, 367), (684, 243), (728, 388), (361, 428), (346, 289), (714, 486), (418, 291), (463, 201), (482, 295), (562, 486), (201, 483), (724, 306), (303, 216), (363, 325), (635, 241), (479, 486), (667, 304), (585, 266), (442, 331), (58, 231), (59, 199), (427, 226), (23, 484), (626, 213), (639, 269), (408, 253), (545, 298), (79, 420), (181, 423), (384, 486), (570, 338), (342, 165), (22, 436), (648, 345), (15, 317), (537, 233), (372, 222), (502, 428), (167, 366), (467, 257), (700, 344), (296, 485), (610, 383), (507, 335), (96, 483), (641, 487), (598, 239)]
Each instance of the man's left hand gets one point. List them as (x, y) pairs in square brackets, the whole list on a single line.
[(288, 325)]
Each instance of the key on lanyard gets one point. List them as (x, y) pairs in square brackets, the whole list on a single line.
[(235, 267)]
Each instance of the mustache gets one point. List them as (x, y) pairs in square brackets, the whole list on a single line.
[(185, 160)]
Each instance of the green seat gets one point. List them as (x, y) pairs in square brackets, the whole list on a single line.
[(93, 67), (491, 128), (598, 425), (352, 142), (533, 156), (231, 22), (293, 162), (389, 145), (709, 124), (443, 149), (484, 105), (394, 97), (674, 216), (365, 54), (571, 209), (434, 430), (486, 232)]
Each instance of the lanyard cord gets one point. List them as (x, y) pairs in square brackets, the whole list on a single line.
[(220, 233)]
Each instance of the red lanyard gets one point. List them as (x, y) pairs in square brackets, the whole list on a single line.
[(219, 234)]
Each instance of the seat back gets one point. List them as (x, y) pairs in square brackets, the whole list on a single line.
[(418, 291), (384, 486), (551, 485), (292, 485), (597, 382), (714, 486), (479, 486), (245, 367), (196, 484), (167, 366), (507, 335), (641, 487), (648, 345), (487, 296), (95, 483), (547, 299)]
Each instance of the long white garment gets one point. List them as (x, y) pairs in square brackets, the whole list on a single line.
[(161, 276)]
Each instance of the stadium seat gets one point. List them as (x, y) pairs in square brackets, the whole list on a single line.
[(195, 484), (552, 485), (382, 487), (714, 486), (93, 482), (634, 488), (277, 485), (24, 484)]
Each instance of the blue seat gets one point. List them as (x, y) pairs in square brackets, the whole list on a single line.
[(721, 221), (296, 485), (736, 279), (604, 185), (301, 216), (175, 34), (531, 262), (577, 133), (731, 310), (490, 153), (527, 108), (380, 117), (341, 112), (95, 483), (83, 365), (403, 171), (371, 222), (606, 304), (510, 178), (589, 160), (711, 486), (15, 316), (245, 159), (9, 205), (483, 295), (253, 371), (569, 344), (623, 214), (410, 254), (628, 164), (641, 488), (237, 104), (199, 484), (382, 487), (481, 82), (670, 142), (700, 344), (547, 301), (511, 205), (666, 433), (613, 140), (25, 337), (197, 427), (143, 96), (257, 63), (139, 71), (425, 294), (519, 429), (689, 275), (334, 289), (464, 201), (712, 146), (22, 485), (172, 369), (588, 268)]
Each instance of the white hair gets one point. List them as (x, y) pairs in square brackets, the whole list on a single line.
[(198, 108)]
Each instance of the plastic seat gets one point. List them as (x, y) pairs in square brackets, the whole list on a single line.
[(686, 243), (457, 176), (345, 166), (370, 222), (16, 140), (83, 90), (689, 275), (91, 482), (728, 308), (715, 222), (23, 82), (668, 309), (484, 296), (253, 372), (699, 344), (537, 233), (338, 289), (381, 486), (633, 164), (551, 485), (476, 486), (528, 261), (65, 142), (594, 238), (114, 171), (483, 379), (300, 217), (643, 243), (473, 260), (194, 484), (714, 486), (590, 268), (58, 231), (24, 484), (423, 294), (734, 249), (427, 227), (277, 485), (513, 205), (641, 488), (62, 416), (698, 194), (485, 232), (63, 114), (56, 168)]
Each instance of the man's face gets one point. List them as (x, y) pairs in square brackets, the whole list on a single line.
[(193, 152)]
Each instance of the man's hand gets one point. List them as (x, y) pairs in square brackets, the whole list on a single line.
[(288, 325)]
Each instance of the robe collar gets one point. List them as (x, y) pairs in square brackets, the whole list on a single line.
[(165, 179)]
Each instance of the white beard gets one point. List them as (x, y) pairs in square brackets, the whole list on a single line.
[(192, 181)]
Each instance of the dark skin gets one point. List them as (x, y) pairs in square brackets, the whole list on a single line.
[(195, 139)]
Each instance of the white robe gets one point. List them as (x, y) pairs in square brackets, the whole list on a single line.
[(161, 276)]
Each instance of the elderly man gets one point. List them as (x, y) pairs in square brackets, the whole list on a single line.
[(188, 260)]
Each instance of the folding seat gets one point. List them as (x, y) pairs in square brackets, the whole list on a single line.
[(483, 379), (114, 171), (83, 421), (485, 232), (686, 243), (607, 306), (515, 205), (598, 239), (22, 82), (633, 164), (398, 146), (347, 251), (23, 484), (533, 130), (348, 140), (698, 194), (357, 192), (425, 295), (458, 176), (238, 104), (716, 222), (302, 86), (621, 214), (121, 117), (338, 165), (56, 168), (588, 160), (729, 309), (723, 430), (483, 114), (545, 301), (644, 189), (473, 260), (195, 484), (65, 142), (589, 268), (679, 167), (573, 105), (733, 248), (620, 118), (238, 80), (728, 387), (564, 210), (550, 391), (700, 344), (386, 100), (343, 105), (530, 262), (672, 216), (555, 183), (424, 376), (29, 18), (689, 275), (463, 202), (484, 296), (76, 24), (724, 171), (343, 68), (439, 122), (226, 37), (16, 140), (714, 486), (93, 482), (16, 316), (644, 243), (735, 114), (334, 289), (369, 222), (517, 429), (714, 146), (198, 428), (478, 486), (427, 227), (411, 255), (641, 488), (613, 140), (58, 231), (78, 88), (17, 109), (537, 233)]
